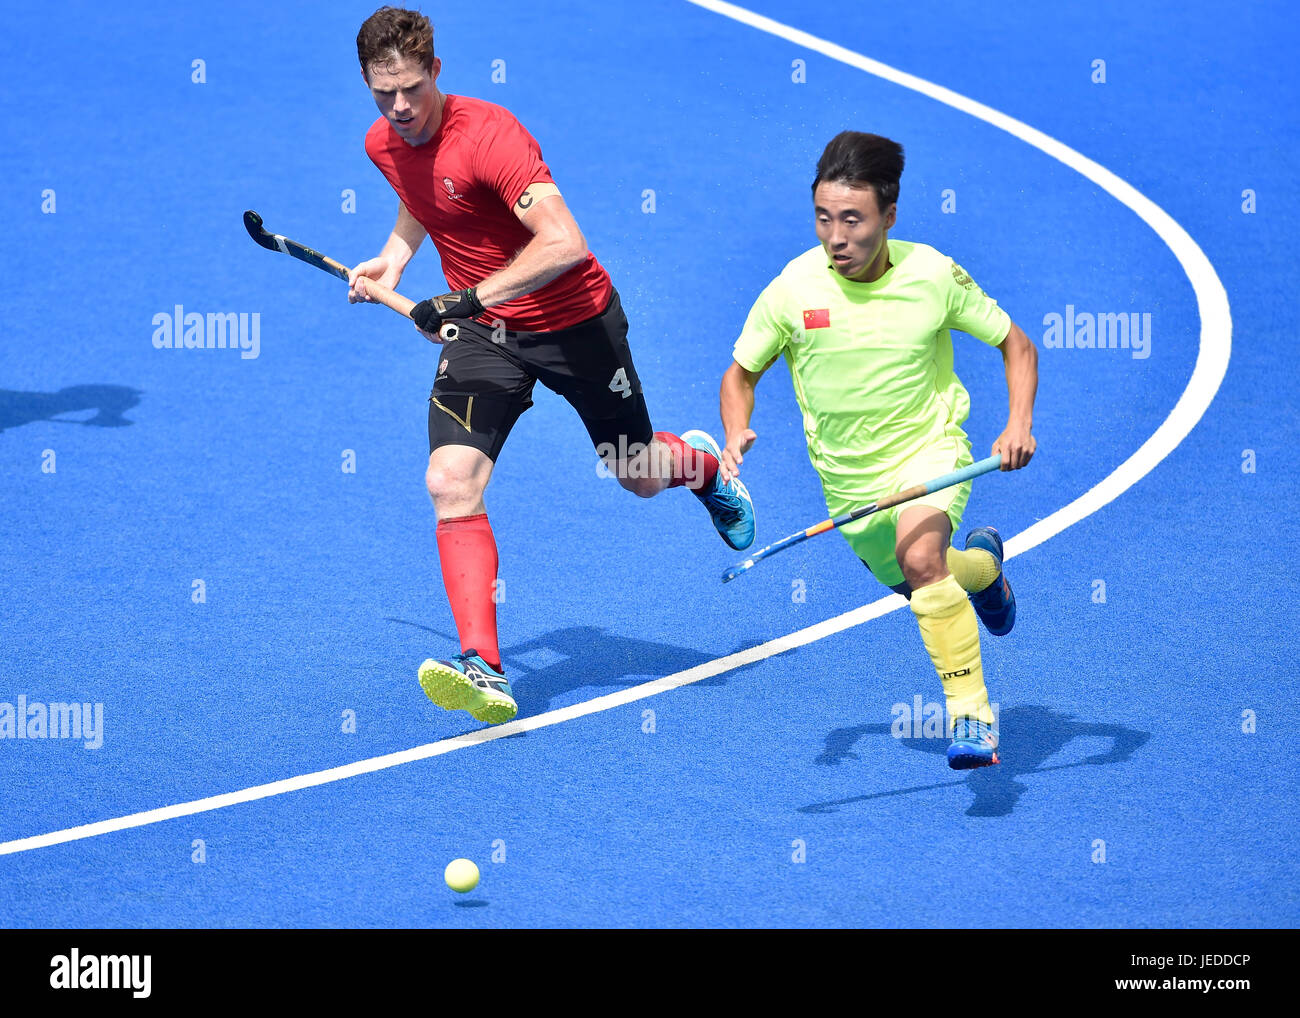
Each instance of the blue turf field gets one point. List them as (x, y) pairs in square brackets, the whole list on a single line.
[(1122, 721)]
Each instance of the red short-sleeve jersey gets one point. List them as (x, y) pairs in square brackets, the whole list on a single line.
[(461, 186)]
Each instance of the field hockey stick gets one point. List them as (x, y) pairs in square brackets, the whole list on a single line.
[(939, 483), (389, 298)]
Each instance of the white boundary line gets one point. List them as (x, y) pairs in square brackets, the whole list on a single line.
[(1211, 299), (1211, 365)]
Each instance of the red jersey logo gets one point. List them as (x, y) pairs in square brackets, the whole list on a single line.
[(819, 319), (451, 187)]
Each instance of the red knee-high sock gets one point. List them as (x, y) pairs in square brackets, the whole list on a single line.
[(468, 553), (693, 468)]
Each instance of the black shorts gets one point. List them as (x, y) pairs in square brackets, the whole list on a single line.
[(485, 381)]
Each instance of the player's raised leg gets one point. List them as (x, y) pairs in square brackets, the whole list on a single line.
[(949, 631), (691, 461), (472, 680), (979, 570), (591, 366)]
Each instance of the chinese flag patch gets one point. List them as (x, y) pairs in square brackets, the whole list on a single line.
[(819, 319)]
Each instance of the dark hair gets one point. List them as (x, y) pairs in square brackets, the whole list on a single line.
[(863, 160), (395, 30)]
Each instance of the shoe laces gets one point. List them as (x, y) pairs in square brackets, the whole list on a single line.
[(467, 659), (726, 502), (973, 730)]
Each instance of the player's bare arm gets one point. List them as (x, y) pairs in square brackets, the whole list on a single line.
[(557, 245), (736, 400), (1020, 358), (391, 262)]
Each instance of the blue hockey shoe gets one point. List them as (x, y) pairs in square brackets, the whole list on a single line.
[(729, 504), (974, 744), (467, 682), (995, 604)]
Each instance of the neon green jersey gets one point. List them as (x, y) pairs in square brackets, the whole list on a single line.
[(871, 362)]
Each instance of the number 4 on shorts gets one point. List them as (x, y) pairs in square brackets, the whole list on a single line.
[(619, 383)]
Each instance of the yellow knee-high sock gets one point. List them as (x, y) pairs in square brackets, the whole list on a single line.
[(975, 569), (951, 635)]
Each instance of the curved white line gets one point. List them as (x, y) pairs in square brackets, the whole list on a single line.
[(1211, 364), (1211, 299)]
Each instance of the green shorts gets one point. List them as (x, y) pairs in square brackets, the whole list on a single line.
[(874, 537)]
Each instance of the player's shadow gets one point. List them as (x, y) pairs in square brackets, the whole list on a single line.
[(583, 657), (110, 403), (1030, 736)]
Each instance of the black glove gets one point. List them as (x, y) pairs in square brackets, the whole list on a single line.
[(430, 314)]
